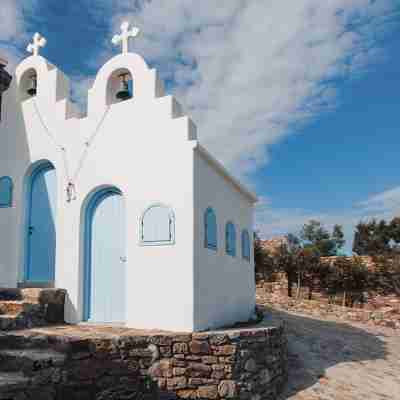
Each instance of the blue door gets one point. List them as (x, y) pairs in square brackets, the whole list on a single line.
[(105, 277), (41, 226)]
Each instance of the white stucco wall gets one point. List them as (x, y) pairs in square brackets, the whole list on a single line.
[(13, 152), (147, 149), (224, 286)]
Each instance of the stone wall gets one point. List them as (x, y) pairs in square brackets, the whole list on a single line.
[(382, 311), (70, 363), (375, 308)]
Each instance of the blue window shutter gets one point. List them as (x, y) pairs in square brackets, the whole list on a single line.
[(227, 239), (246, 245), (6, 191), (157, 225), (231, 239), (210, 229), (130, 87)]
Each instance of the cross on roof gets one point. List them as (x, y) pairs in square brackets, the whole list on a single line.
[(125, 35), (38, 42)]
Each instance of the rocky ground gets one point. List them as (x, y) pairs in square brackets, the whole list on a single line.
[(332, 360)]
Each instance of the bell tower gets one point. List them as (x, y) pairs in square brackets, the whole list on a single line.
[(5, 80)]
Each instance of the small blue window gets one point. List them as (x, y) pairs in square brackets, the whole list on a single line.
[(245, 245), (6, 192), (157, 226), (210, 229), (230, 233)]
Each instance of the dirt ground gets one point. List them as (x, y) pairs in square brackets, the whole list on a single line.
[(332, 360)]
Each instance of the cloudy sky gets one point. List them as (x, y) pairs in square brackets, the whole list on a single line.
[(299, 98)]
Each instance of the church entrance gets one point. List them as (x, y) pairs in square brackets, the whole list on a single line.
[(105, 263), (41, 225)]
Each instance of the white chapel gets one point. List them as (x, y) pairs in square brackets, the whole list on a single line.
[(122, 207)]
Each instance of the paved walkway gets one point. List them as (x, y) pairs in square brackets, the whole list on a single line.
[(332, 360)]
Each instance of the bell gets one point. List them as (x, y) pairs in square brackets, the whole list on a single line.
[(32, 90), (124, 93)]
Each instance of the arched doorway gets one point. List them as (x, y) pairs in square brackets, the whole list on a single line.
[(40, 228), (105, 263)]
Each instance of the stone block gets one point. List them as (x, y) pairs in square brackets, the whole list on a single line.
[(165, 351), (182, 337), (199, 370), (209, 359), (179, 382), (208, 392), (180, 348), (219, 339), (179, 371), (161, 340), (161, 369), (227, 389), (187, 394), (226, 350), (250, 365), (199, 347), (218, 375)]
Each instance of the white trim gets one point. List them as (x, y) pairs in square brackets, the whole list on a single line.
[(224, 172)]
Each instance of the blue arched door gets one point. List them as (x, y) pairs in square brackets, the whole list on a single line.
[(105, 258), (41, 224)]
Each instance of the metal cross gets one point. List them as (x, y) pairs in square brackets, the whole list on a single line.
[(38, 42), (125, 35)]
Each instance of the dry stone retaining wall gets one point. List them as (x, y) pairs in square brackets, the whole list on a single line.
[(387, 315), (239, 364)]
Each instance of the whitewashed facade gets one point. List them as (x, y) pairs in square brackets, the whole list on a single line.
[(128, 240)]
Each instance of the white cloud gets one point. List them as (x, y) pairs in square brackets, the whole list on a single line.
[(13, 28), (387, 202), (250, 71), (10, 20)]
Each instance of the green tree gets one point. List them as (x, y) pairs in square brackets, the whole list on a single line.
[(285, 260), (394, 228), (386, 275), (300, 264), (348, 276), (315, 236), (264, 263), (373, 237)]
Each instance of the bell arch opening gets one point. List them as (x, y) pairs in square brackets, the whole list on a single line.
[(28, 86), (120, 86)]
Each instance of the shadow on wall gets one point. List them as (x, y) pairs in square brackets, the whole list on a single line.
[(14, 159), (315, 346)]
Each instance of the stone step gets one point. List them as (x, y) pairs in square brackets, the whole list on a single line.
[(31, 307), (10, 381), (20, 340), (17, 307), (35, 295), (9, 322), (31, 339), (30, 360), (10, 294)]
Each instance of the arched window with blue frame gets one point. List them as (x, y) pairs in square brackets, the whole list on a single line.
[(210, 230), (157, 226), (246, 245), (230, 234), (6, 192)]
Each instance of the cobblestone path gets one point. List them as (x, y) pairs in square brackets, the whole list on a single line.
[(332, 360)]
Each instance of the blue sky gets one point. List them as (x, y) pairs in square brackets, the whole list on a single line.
[(299, 99)]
